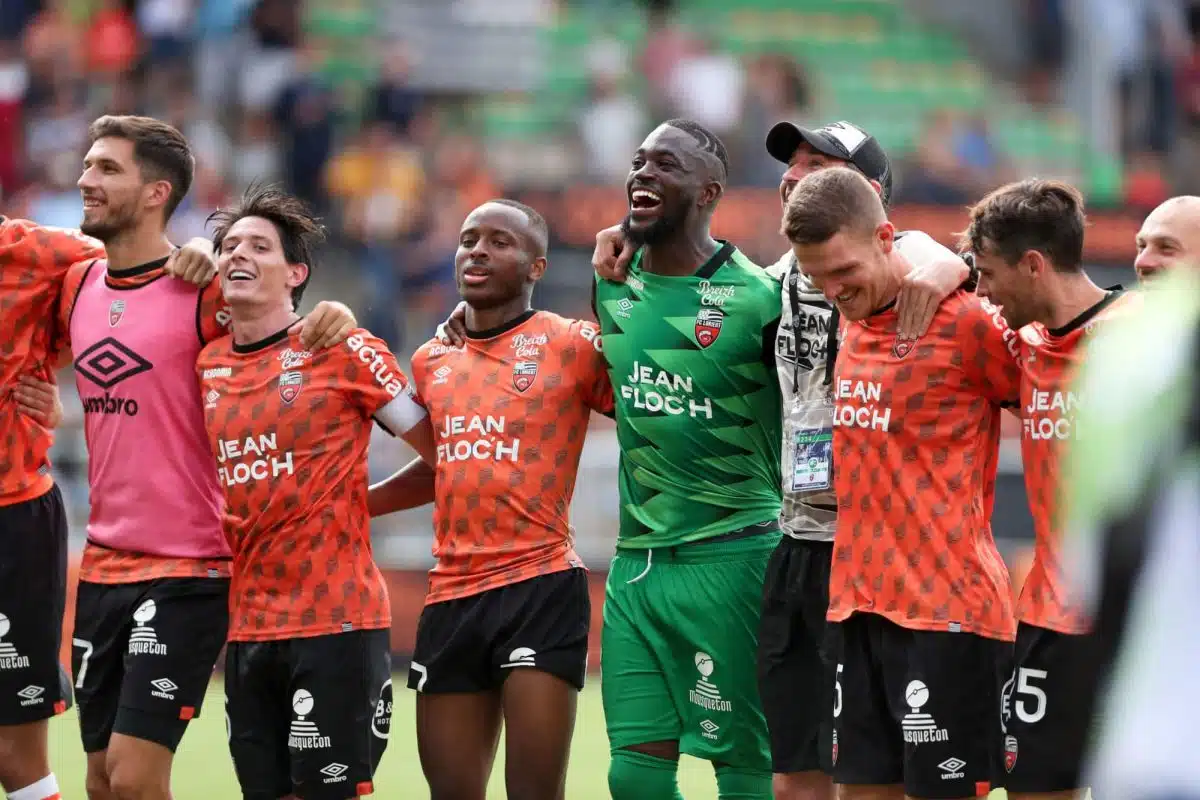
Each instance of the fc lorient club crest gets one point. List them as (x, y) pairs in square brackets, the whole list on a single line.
[(902, 347), (115, 312), (524, 373), (708, 325), (289, 386)]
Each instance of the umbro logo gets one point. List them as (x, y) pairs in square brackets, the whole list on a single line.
[(334, 773), (31, 695), (108, 362), (164, 688)]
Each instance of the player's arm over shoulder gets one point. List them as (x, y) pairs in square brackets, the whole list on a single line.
[(990, 348), (376, 384), (591, 370)]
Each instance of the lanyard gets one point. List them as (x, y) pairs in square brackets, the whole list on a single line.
[(831, 340)]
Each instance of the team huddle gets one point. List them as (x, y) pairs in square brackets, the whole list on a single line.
[(805, 591)]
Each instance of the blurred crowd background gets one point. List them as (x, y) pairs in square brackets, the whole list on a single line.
[(396, 117)]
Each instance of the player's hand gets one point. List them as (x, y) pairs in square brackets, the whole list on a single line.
[(195, 262), (329, 323), (613, 254), (453, 332), (39, 400), (923, 289)]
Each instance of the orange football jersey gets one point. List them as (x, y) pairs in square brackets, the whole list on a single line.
[(916, 441), (34, 260), (110, 565), (510, 414), (290, 431), (1049, 360)]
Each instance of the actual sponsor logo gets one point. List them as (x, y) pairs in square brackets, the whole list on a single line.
[(303, 733), (441, 375), (917, 726), (142, 639), (218, 372), (164, 688), (524, 374), (708, 326), (9, 657), (115, 311), (291, 359), (290, 384), (381, 720), (706, 694)]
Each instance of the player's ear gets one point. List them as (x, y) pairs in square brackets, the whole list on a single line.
[(297, 275), (537, 269), (1032, 262), (885, 234), (877, 186), (157, 193), (710, 194)]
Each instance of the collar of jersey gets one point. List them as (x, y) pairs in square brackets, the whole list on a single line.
[(1113, 293), (706, 270), (262, 344), (137, 277), (491, 333)]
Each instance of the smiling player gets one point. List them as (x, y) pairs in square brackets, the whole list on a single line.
[(308, 665)]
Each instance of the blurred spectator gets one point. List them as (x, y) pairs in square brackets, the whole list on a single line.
[(112, 41), (1047, 27), (220, 42), (1187, 160), (14, 80), (379, 181), (708, 85), (1145, 184), (955, 161), (256, 155), (304, 114), (613, 122), (666, 44), (391, 99), (777, 89)]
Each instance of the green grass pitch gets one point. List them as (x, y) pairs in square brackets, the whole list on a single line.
[(203, 770)]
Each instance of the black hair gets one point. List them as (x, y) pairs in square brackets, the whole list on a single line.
[(709, 141), (541, 231), (299, 230)]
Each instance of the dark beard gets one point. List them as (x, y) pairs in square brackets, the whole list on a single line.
[(108, 229), (659, 231)]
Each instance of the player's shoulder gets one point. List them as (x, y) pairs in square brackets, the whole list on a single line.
[(740, 268), (216, 352), (47, 237)]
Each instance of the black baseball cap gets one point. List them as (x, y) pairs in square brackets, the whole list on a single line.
[(842, 140)]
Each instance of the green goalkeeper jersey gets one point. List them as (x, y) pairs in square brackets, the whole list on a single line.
[(698, 413)]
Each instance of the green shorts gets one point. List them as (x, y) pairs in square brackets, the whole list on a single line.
[(678, 649)]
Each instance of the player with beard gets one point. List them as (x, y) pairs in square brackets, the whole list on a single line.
[(503, 637), (689, 339), (34, 261), (1027, 241), (795, 671), (153, 593)]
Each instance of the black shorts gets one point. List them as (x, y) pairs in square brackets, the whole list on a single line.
[(33, 598), (917, 708), (469, 644), (143, 655), (795, 662), (309, 717), (1046, 710)]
